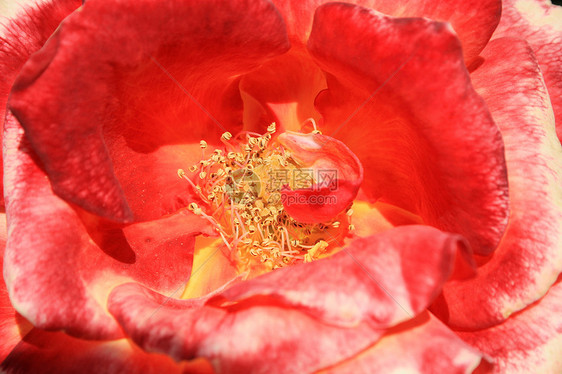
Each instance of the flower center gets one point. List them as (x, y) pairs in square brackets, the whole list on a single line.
[(241, 191)]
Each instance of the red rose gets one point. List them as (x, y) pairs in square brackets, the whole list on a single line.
[(440, 131)]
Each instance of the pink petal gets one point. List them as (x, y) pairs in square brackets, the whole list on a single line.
[(473, 21), (61, 263), (401, 99), (423, 345), (383, 279), (540, 23), (529, 341), (137, 76), (21, 36), (260, 339), (529, 257), (54, 352)]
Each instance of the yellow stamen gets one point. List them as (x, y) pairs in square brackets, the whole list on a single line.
[(236, 185)]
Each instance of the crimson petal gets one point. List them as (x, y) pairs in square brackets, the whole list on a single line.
[(529, 258), (407, 108), (23, 35), (139, 74), (383, 279)]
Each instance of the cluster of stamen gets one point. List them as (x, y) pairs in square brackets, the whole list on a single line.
[(241, 197)]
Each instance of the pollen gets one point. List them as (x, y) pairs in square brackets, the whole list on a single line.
[(239, 189)]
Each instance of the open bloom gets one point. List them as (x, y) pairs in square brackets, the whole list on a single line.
[(417, 220)]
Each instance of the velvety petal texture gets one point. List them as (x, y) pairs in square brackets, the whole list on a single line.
[(539, 22), (529, 257), (25, 34), (446, 142), (154, 83), (423, 345), (425, 138)]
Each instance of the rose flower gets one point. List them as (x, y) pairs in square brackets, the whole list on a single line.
[(248, 186)]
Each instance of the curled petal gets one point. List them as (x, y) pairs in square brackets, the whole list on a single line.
[(22, 36), (473, 21), (261, 339), (322, 154), (539, 23), (401, 99), (153, 83), (529, 257), (383, 279)]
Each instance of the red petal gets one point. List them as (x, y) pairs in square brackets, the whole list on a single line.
[(23, 35), (402, 101), (261, 339), (423, 345), (48, 352), (321, 153), (473, 21), (539, 22), (529, 341), (61, 265), (383, 279), (156, 75), (529, 257)]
